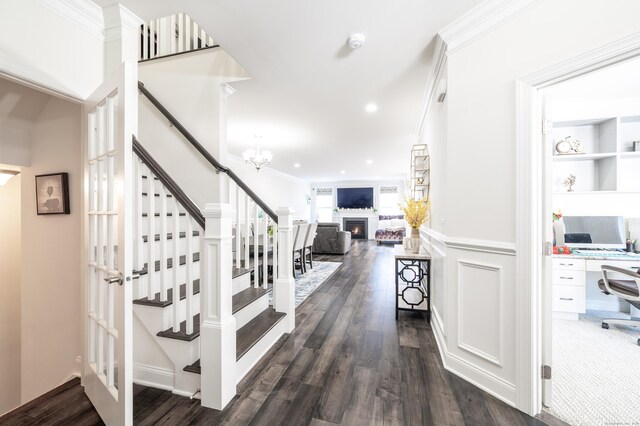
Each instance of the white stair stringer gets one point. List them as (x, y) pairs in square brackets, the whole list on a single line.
[(255, 354)]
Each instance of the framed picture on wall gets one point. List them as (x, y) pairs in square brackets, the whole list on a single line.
[(52, 193)]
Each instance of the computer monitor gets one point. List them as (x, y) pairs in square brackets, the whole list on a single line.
[(595, 232)]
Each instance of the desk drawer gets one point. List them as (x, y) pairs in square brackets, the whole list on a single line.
[(568, 298), (568, 277), (568, 263), (594, 265)]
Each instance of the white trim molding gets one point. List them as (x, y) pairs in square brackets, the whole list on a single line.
[(530, 217), (481, 20), (493, 358), (470, 244), (151, 376), (84, 14)]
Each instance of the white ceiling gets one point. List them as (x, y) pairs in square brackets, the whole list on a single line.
[(309, 90)]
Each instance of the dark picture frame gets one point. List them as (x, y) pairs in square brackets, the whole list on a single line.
[(52, 194)]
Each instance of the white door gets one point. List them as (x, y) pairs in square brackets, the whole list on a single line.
[(108, 218), (547, 232)]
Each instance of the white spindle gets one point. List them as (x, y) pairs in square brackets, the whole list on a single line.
[(189, 275), (145, 42), (265, 252), (187, 30), (237, 242), (211, 42), (247, 230), (164, 249), (151, 232), (176, 266), (256, 239), (180, 32), (172, 32), (195, 32), (152, 39), (203, 38)]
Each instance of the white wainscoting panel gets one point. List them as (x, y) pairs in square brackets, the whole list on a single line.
[(480, 306)]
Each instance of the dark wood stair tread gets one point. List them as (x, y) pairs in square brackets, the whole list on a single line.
[(144, 194), (145, 238), (193, 368), (182, 334), (238, 272), (254, 330), (246, 297), (156, 301)]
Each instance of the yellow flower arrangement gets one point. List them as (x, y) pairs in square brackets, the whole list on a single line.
[(416, 212)]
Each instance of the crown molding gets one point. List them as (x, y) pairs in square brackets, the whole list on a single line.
[(481, 20), (83, 13)]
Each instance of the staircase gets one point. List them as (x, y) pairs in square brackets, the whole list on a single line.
[(204, 277)]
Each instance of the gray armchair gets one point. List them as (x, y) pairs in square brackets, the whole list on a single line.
[(626, 289), (331, 240)]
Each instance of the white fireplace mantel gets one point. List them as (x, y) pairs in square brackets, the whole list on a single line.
[(369, 214)]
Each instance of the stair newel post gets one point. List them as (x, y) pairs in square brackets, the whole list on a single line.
[(284, 287), (218, 326)]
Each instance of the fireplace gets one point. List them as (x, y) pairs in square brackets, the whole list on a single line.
[(357, 226)]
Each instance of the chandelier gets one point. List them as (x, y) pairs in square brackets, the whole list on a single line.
[(257, 157)]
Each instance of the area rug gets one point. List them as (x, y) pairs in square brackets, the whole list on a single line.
[(307, 283), (596, 372)]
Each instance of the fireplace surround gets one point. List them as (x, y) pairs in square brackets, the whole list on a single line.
[(357, 226)]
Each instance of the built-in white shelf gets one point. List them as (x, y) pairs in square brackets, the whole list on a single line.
[(608, 163), (583, 157)]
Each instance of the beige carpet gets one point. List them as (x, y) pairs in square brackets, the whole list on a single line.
[(596, 372)]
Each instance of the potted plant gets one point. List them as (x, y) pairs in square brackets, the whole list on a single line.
[(416, 213)]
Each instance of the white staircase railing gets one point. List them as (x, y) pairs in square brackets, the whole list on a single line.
[(172, 35)]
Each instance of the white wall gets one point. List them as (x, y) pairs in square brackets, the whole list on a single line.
[(10, 263), (41, 46), (51, 256), (477, 336), (275, 188)]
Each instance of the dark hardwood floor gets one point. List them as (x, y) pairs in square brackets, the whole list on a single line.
[(347, 362)]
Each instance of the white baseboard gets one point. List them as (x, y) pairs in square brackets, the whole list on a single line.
[(490, 383), (155, 377)]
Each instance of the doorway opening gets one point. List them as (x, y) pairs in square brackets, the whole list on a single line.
[(590, 198)]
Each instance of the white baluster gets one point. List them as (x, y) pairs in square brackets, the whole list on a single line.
[(237, 242), (180, 32), (247, 221), (189, 275), (152, 39), (265, 252), (171, 36), (151, 232), (274, 272), (195, 36), (144, 54), (187, 33), (164, 249), (176, 266), (203, 37), (256, 240)]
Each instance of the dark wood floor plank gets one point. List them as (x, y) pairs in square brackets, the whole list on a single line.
[(347, 362)]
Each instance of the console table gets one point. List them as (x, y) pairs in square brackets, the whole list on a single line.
[(413, 282)]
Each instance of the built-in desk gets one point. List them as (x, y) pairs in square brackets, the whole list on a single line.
[(576, 277)]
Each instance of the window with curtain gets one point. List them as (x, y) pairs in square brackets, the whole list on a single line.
[(389, 198), (324, 204)]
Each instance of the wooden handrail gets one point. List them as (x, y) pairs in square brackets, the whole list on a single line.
[(169, 183), (202, 150)]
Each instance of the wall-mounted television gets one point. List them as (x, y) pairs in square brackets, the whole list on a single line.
[(599, 232), (355, 198)]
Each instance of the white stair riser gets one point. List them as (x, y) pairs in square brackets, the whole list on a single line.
[(240, 283), (157, 319), (249, 312), (255, 354)]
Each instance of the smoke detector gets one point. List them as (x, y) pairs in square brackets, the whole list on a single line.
[(355, 40)]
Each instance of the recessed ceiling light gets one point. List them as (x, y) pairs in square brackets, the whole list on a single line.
[(369, 161), (342, 172), (371, 107), (297, 165)]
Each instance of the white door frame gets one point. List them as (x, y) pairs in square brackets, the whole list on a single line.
[(529, 187)]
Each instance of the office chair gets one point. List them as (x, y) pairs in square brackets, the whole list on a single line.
[(628, 290)]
